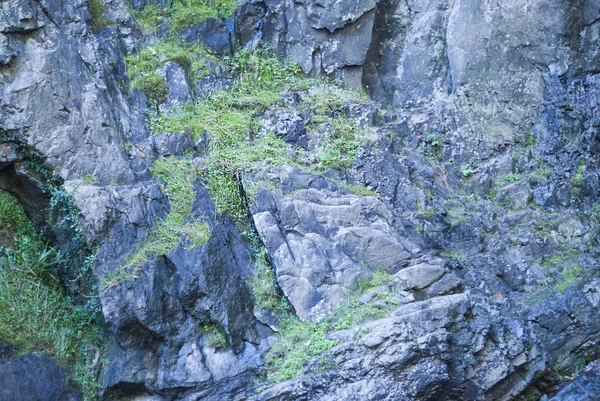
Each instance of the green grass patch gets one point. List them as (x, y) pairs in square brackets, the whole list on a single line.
[(36, 315), (185, 13), (177, 177), (300, 341)]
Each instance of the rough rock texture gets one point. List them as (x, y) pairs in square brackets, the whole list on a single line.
[(485, 164), (584, 388), (322, 241), (35, 378), (323, 37)]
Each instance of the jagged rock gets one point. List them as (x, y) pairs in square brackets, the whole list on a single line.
[(288, 125), (171, 143), (516, 195), (585, 387), (180, 92), (298, 30), (34, 378), (323, 240), (213, 33)]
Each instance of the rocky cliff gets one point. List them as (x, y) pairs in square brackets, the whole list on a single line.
[(301, 200)]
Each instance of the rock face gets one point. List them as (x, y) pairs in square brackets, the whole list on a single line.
[(322, 36), (35, 378), (322, 241), (475, 189)]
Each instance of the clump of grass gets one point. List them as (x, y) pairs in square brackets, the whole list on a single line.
[(214, 336), (343, 142), (96, 8), (300, 341), (185, 13), (35, 313), (178, 177), (263, 283), (142, 66)]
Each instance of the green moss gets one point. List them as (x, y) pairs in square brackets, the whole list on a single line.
[(185, 13), (214, 336), (153, 85), (461, 257), (89, 179)]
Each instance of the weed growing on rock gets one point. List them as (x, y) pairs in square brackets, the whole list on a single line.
[(35, 313), (96, 8), (511, 177), (178, 177), (300, 341), (214, 336), (184, 13)]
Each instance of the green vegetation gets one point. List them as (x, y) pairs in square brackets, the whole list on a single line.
[(185, 13), (433, 147), (568, 269), (460, 257), (578, 180), (214, 336), (263, 283), (467, 170), (300, 341), (35, 312), (142, 66), (96, 9), (511, 177), (530, 140), (89, 179), (342, 144), (178, 177)]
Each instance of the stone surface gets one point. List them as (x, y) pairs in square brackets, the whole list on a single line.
[(322, 241), (35, 378)]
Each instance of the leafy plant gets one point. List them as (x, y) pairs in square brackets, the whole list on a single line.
[(467, 170), (35, 313), (511, 177)]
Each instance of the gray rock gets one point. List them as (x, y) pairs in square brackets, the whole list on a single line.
[(516, 195), (418, 277), (35, 378), (171, 143), (213, 33), (586, 387), (180, 92), (323, 242)]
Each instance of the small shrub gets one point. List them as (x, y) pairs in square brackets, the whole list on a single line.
[(511, 177), (153, 85), (96, 8), (467, 170)]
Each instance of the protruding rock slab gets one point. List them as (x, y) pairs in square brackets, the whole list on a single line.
[(323, 240)]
